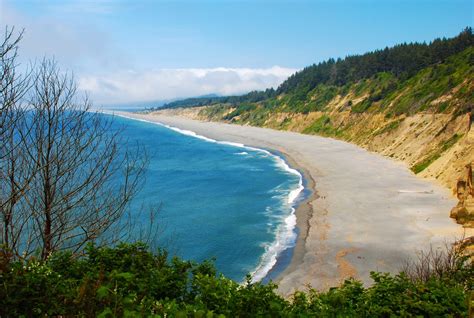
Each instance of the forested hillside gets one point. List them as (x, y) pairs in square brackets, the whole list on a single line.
[(412, 102), (401, 61)]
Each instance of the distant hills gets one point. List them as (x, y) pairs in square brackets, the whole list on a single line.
[(254, 96), (151, 105)]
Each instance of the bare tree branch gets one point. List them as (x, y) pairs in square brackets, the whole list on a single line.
[(66, 176)]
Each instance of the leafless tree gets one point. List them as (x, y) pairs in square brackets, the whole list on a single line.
[(441, 262), (84, 180), (67, 174), (13, 86)]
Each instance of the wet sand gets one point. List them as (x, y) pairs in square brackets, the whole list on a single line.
[(366, 212)]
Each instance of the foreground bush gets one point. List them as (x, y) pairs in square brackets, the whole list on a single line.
[(128, 280)]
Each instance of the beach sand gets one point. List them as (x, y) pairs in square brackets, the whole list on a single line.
[(366, 213)]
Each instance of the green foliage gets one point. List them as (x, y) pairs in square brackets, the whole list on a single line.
[(252, 97), (417, 92), (362, 106), (322, 126), (450, 142), (216, 112), (303, 100), (320, 97), (403, 60), (425, 163), (130, 281), (389, 127), (404, 79), (239, 110), (382, 93), (389, 67), (400, 296)]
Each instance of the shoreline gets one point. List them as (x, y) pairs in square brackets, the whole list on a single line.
[(303, 213), (359, 216), (268, 261)]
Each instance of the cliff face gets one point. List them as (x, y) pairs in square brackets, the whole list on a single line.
[(424, 120), (435, 146), (465, 193)]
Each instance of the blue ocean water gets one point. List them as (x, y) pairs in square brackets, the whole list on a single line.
[(218, 200)]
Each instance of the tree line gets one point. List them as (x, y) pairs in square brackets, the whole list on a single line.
[(403, 60), (252, 97)]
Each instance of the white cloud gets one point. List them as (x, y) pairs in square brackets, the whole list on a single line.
[(74, 44), (99, 64), (131, 86)]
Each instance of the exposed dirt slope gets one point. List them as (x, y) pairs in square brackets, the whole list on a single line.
[(436, 146), (424, 120)]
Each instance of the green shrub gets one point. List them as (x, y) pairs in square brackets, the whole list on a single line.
[(322, 125), (243, 108), (128, 280)]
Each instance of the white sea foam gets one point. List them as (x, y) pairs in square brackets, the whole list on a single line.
[(234, 144), (243, 153), (285, 238), (285, 232)]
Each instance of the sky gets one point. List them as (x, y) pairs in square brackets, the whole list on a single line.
[(142, 50)]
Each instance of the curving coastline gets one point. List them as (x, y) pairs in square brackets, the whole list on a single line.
[(366, 212), (286, 235)]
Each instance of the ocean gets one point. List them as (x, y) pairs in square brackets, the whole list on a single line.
[(218, 200)]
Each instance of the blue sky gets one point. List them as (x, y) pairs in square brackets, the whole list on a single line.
[(172, 49)]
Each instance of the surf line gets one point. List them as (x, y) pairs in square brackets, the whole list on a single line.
[(285, 233)]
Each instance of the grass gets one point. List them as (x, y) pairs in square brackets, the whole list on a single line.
[(389, 127), (425, 163), (386, 93), (242, 109), (416, 93), (322, 126), (285, 123), (215, 112), (362, 106), (422, 165)]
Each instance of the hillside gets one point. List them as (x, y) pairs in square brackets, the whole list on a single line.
[(419, 111), (403, 61)]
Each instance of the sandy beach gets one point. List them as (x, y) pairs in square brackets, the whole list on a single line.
[(366, 212)]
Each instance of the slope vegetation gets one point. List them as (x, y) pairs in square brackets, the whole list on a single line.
[(413, 102)]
